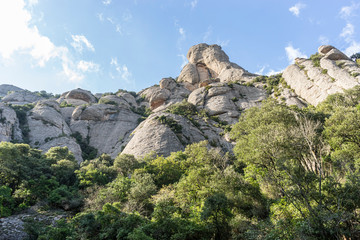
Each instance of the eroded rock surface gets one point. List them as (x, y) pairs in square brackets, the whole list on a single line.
[(208, 64), (77, 97), (6, 88), (21, 97), (9, 124), (334, 73)]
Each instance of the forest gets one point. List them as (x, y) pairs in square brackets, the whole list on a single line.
[(293, 174)]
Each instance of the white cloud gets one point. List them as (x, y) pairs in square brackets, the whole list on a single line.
[(296, 8), (193, 3), (262, 69), (182, 32), (293, 53), (20, 36), (114, 61), (354, 47), (223, 43), (33, 2), (100, 16), (118, 28), (273, 72), (85, 66), (80, 42), (122, 71), (106, 2), (323, 40), (127, 16), (347, 32), (70, 71), (208, 34), (269, 72), (184, 60), (347, 11)]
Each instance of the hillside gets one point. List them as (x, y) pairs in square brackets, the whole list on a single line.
[(218, 153)]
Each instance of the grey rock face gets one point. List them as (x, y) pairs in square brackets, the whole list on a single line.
[(77, 97), (226, 100), (106, 126), (12, 227), (336, 73), (9, 124), (168, 83), (46, 122), (48, 128), (6, 88), (152, 135), (64, 141), (21, 97), (208, 64)]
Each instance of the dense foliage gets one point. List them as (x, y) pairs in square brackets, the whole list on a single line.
[(294, 175)]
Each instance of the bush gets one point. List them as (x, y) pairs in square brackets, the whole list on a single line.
[(6, 201), (315, 58), (170, 122)]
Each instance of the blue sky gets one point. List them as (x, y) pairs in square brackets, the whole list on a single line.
[(104, 45)]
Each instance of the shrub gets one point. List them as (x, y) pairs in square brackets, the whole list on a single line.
[(108, 101), (315, 58), (170, 122), (65, 104)]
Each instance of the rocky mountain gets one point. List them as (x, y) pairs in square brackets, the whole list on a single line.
[(208, 96)]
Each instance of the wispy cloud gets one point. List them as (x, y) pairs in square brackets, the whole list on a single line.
[(182, 35), (348, 11), (347, 32), (323, 40), (273, 72), (297, 8), (222, 43), (121, 71), (354, 47), (80, 42), (86, 66), (100, 16), (293, 53), (118, 27), (207, 34), (262, 69), (269, 72), (184, 60), (127, 16), (182, 32), (193, 4), (106, 2)]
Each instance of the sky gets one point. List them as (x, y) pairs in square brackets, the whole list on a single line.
[(106, 45)]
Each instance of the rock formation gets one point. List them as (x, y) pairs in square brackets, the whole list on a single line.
[(152, 120), (208, 64), (329, 72)]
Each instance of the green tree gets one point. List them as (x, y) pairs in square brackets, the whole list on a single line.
[(217, 212), (285, 153), (126, 164), (97, 171), (7, 203)]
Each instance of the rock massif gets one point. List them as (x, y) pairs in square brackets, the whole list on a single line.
[(156, 119)]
